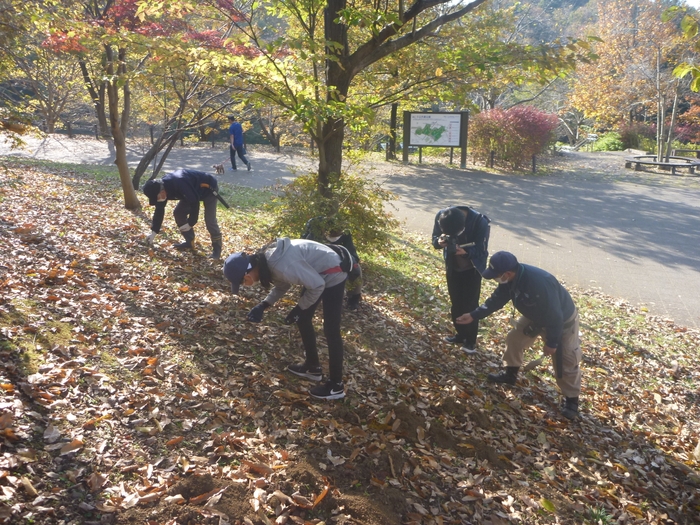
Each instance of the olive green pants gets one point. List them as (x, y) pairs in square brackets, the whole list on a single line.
[(567, 372)]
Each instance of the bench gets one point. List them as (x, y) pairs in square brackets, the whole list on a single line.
[(695, 152), (674, 163)]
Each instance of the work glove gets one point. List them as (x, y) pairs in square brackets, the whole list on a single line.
[(294, 315), (256, 313), (151, 237)]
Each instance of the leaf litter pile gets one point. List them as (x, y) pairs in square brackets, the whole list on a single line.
[(132, 390)]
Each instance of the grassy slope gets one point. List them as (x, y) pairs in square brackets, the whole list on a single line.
[(132, 385)]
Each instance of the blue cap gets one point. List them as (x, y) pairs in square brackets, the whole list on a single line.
[(499, 263), (235, 267)]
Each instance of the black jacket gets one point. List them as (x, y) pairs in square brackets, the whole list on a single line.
[(537, 295), (476, 230), (190, 186)]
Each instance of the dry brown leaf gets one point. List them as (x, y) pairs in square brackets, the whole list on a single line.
[(74, 445)]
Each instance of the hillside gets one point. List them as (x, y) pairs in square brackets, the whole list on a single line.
[(134, 391)]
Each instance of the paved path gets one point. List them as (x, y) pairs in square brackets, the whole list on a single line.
[(590, 222)]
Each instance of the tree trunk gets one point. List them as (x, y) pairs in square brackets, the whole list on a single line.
[(391, 146), (673, 123), (131, 201), (98, 100), (126, 104)]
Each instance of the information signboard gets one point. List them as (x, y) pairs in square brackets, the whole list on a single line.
[(435, 129)]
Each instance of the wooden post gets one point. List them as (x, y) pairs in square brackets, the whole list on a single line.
[(534, 164), (70, 130), (406, 134), (463, 138), (97, 135), (452, 150), (492, 157)]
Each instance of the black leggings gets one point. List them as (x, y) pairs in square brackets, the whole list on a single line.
[(464, 289), (332, 309)]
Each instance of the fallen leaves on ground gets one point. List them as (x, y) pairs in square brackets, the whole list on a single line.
[(134, 391)]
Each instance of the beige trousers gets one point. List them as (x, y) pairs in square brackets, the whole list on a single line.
[(569, 349)]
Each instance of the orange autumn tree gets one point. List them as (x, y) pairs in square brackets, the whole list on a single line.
[(632, 72)]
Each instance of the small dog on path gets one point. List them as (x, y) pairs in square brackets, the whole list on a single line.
[(219, 169)]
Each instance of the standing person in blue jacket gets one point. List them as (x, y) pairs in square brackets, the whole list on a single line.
[(188, 187), (322, 271), (547, 311), (237, 139), (456, 226)]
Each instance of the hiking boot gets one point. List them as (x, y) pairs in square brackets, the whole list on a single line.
[(469, 349), (189, 241), (508, 376), (329, 390), (454, 339), (314, 373), (250, 167), (354, 302), (216, 250), (570, 408)]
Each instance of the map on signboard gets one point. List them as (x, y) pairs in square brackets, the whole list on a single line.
[(435, 129)]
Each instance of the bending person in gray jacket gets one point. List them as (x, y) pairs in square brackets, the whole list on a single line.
[(322, 271)]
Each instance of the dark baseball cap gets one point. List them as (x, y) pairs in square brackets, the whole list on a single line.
[(499, 263), (235, 267), (151, 190)]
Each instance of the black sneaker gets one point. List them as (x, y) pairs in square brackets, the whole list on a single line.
[(250, 167), (330, 390), (454, 339), (468, 349), (314, 373)]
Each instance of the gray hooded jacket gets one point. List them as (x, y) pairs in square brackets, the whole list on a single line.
[(302, 262)]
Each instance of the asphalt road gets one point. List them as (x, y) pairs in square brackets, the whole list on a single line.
[(590, 222)]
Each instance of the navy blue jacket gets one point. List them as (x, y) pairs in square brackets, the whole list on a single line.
[(476, 230), (537, 295), (190, 186)]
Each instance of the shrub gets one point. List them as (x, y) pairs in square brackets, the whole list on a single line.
[(633, 135), (608, 142), (515, 134), (357, 205)]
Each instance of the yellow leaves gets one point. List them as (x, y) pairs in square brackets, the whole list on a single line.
[(547, 505)]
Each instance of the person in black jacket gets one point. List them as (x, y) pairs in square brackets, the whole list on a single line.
[(463, 236), (547, 311), (188, 187), (329, 231)]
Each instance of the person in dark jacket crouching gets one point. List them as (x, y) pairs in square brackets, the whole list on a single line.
[(331, 231), (322, 271), (547, 311), (188, 187)]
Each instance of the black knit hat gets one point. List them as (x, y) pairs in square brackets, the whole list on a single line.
[(151, 190)]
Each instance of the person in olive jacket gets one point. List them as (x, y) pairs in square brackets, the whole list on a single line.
[(547, 311), (188, 187)]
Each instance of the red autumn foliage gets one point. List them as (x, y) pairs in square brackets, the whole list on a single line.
[(514, 134)]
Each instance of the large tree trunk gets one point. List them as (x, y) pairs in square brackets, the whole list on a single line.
[(131, 201)]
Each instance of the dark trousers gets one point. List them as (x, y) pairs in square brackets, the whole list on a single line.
[(241, 154), (332, 308), (182, 212), (464, 289)]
